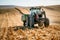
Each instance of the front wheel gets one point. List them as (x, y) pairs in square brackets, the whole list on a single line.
[(40, 24)]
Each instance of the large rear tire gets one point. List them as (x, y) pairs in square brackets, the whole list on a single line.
[(46, 23)]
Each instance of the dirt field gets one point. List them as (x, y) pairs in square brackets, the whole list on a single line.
[(48, 33), (11, 18)]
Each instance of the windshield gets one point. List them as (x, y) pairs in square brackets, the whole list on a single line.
[(35, 11)]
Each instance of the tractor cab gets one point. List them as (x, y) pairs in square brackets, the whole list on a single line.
[(35, 10)]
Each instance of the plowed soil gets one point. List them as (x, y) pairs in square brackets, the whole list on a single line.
[(11, 18), (47, 33)]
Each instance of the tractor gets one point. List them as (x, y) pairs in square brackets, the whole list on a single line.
[(36, 16)]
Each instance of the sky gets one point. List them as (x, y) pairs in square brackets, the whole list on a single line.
[(30, 2)]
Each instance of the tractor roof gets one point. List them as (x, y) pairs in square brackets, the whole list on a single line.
[(35, 8)]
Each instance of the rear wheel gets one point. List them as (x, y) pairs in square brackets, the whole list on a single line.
[(31, 22), (31, 25), (46, 23)]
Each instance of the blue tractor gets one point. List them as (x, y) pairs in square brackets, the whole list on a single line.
[(36, 16)]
